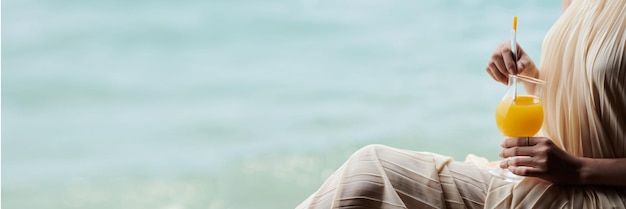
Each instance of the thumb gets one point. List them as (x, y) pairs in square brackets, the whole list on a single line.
[(521, 66)]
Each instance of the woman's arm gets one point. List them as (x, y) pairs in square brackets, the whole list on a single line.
[(603, 171)]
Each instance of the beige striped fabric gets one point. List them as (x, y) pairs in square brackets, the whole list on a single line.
[(378, 176), (584, 60), (584, 64)]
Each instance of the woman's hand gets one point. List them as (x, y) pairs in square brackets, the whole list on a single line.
[(502, 64), (541, 158)]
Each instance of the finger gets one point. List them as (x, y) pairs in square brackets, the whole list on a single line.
[(496, 75), (504, 163), (488, 69), (523, 63), (516, 151), (521, 67), (521, 161), (526, 171), (520, 52), (519, 141), (509, 62), (498, 60), (522, 60)]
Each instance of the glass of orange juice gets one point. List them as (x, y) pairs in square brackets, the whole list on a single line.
[(520, 112)]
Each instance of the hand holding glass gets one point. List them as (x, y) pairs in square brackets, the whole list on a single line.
[(519, 113)]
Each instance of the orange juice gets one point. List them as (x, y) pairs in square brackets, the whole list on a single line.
[(519, 118)]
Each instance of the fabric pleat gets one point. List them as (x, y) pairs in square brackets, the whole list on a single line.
[(379, 176), (584, 64)]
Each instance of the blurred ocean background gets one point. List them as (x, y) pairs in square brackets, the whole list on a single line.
[(241, 103)]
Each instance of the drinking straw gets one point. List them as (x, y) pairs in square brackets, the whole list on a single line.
[(514, 50)]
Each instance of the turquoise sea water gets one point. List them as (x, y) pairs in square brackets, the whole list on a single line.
[(239, 104)]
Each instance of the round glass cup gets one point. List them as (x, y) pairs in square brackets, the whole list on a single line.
[(519, 114)]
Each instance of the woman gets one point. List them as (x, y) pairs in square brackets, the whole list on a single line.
[(581, 163)]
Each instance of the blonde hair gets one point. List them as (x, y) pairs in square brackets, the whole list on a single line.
[(584, 63)]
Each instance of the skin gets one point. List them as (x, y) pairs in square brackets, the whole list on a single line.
[(547, 161), (542, 158), (566, 4)]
